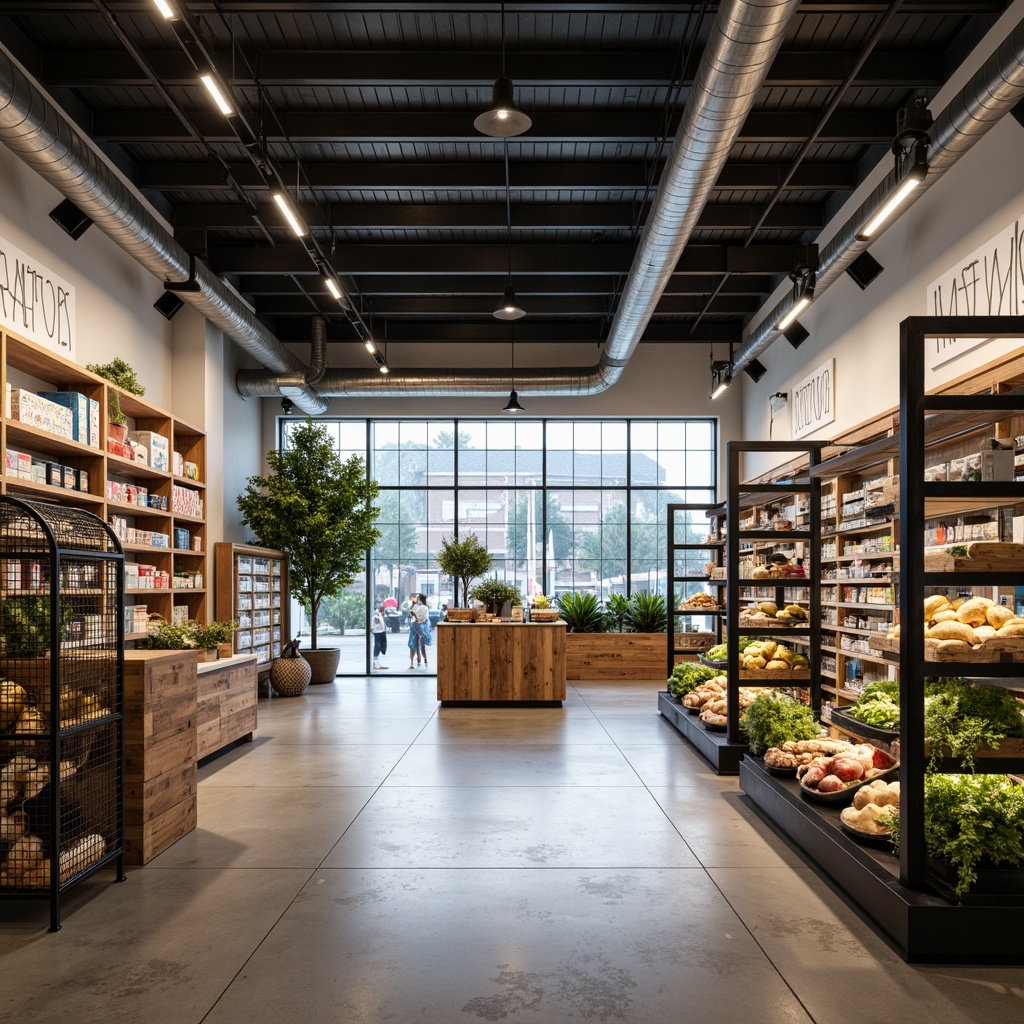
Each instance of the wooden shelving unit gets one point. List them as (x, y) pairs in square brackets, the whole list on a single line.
[(42, 370)]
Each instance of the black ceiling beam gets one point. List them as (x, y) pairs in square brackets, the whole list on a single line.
[(625, 69), (161, 176), (135, 126), (633, 7), (373, 285), (218, 216), (493, 259)]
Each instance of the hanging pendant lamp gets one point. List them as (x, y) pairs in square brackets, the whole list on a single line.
[(502, 119), (513, 405), (508, 308)]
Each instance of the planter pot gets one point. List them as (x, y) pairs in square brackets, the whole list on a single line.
[(118, 431), (206, 654), (225, 650), (324, 663), (290, 676)]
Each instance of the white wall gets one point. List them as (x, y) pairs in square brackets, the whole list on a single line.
[(978, 198)]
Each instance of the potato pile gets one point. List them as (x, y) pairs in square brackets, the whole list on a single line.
[(869, 804), (967, 621), (768, 613), (710, 698), (772, 656)]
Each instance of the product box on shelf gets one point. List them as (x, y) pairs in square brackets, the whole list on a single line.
[(140, 453), (186, 502), (124, 451), (79, 406), (158, 446), (29, 408), (182, 538), (95, 437), (7, 399), (191, 471), (178, 462), (70, 478), (83, 479), (39, 471), (997, 465)]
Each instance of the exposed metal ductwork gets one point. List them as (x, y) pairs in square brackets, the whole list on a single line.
[(744, 41), (34, 128), (993, 91)]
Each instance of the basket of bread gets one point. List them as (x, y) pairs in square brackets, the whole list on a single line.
[(969, 629)]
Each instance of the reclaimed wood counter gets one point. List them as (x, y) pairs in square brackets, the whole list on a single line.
[(501, 663)]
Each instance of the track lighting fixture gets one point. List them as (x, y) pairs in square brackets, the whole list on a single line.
[(286, 406), (218, 92), (168, 304), (721, 376), (333, 285), (502, 119), (864, 269), (803, 295), (755, 370), (70, 218), (286, 208), (378, 358), (796, 334)]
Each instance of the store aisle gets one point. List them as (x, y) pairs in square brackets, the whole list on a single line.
[(371, 859)]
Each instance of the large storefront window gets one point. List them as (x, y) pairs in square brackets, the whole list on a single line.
[(561, 505)]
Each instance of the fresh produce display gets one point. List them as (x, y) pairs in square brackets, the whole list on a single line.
[(713, 689), (686, 676), (873, 808), (778, 571), (967, 817), (773, 657), (768, 612), (794, 753), (713, 711), (878, 705), (699, 601), (775, 718), (962, 717), (959, 623), (834, 774), (721, 652)]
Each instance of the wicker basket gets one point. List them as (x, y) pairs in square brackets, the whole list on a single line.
[(290, 676), (461, 615), (543, 614)]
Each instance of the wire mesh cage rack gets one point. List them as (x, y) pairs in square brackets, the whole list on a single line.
[(61, 700)]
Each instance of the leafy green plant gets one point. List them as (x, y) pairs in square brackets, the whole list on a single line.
[(493, 593), (878, 705), (463, 560), (647, 613), (687, 676), (772, 721), (967, 817), (963, 717), (617, 607), (318, 508), (185, 636), (582, 612), (120, 374), (214, 633), (26, 623)]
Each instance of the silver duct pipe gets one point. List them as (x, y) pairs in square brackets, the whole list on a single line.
[(744, 41), (34, 128), (992, 92), (317, 351)]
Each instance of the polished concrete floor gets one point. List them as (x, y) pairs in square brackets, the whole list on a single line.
[(371, 858)]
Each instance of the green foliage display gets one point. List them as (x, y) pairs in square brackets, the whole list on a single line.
[(878, 705), (647, 613), (687, 676), (493, 593), (618, 608), (720, 652), (121, 374), (967, 817), (319, 509), (963, 717), (771, 721), (463, 560), (184, 636), (582, 612), (26, 623)]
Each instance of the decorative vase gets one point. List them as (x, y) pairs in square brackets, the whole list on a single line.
[(290, 676), (324, 663)]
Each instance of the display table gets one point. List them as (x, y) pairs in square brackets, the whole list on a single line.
[(498, 663)]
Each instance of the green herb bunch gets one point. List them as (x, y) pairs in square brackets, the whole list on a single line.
[(687, 676), (963, 717), (970, 816), (772, 721), (878, 705)]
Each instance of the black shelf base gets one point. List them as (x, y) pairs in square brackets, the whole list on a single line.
[(924, 927), (723, 756)]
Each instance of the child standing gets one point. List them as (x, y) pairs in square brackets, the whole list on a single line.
[(379, 629)]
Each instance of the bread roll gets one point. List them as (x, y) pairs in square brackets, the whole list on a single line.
[(933, 604), (944, 615), (951, 629), (972, 612), (1011, 629), (998, 615), (984, 632)]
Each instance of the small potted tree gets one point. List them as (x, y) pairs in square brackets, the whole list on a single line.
[(320, 510), (463, 560), (122, 376), (497, 596)]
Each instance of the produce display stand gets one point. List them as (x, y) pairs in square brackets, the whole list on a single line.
[(912, 904)]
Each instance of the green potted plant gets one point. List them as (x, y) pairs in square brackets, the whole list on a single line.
[(187, 636), (647, 613), (463, 561), (582, 612), (319, 508), (122, 376), (494, 594)]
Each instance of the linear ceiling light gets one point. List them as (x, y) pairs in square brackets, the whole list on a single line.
[(912, 169), (214, 89), (721, 376), (166, 10), (803, 295), (290, 215), (370, 346), (333, 287)]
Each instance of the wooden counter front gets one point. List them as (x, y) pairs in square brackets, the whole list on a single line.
[(507, 662)]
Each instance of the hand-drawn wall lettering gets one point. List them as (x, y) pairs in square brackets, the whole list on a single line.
[(814, 400), (35, 302)]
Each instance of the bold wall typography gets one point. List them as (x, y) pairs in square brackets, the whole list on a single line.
[(35, 302)]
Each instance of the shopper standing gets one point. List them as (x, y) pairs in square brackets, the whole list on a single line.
[(379, 629)]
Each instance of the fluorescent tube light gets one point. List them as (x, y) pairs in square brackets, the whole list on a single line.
[(333, 287), (166, 9), (218, 97), (906, 187), (289, 214), (794, 311)]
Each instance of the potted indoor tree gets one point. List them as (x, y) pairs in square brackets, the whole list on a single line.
[(495, 595), (319, 508), (122, 376), (463, 560)]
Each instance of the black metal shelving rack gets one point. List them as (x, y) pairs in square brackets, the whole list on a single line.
[(904, 899), (679, 523), (62, 703)]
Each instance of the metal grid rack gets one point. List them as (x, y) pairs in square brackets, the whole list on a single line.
[(61, 700)]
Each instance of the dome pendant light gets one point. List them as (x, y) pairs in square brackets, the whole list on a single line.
[(502, 119), (513, 405), (508, 308)]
